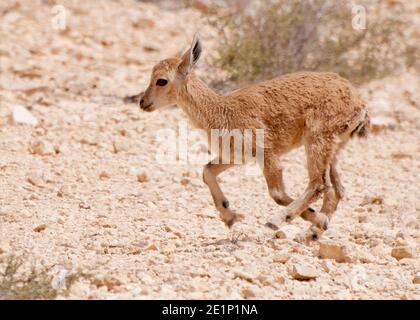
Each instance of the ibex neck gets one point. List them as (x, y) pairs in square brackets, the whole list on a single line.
[(200, 103)]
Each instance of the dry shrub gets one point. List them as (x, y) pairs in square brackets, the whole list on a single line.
[(270, 38), (22, 280)]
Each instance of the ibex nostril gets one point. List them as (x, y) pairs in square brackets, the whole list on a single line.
[(141, 102)]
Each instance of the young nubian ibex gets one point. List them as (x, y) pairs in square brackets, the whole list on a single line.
[(320, 111)]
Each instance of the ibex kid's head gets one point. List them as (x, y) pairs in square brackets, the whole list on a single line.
[(168, 76)]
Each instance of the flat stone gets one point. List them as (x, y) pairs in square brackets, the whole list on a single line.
[(42, 148), (4, 247), (35, 179), (402, 252), (248, 293), (244, 275), (381, 123), (331, 250), (303, 273), (21, 115), (281, 258)]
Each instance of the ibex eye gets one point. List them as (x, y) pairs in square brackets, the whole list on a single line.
[(161, 82)]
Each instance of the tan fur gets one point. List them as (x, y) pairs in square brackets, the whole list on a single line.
[(317, 110)]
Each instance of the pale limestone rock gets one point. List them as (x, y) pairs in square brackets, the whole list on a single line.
[(281, 258), (133, 171), (62, 148), (280, 280), (291, 231), (400, 241), (35, 179), (152, 247), (381, 123), (362, 218), (247, 293), (42, 148), (265, 280), (327, 265), (244, 275), (63, 191), (381, 106), (303, 272), (4, 247), (21, 115), (85, 206), (120, 146), (378, 200)]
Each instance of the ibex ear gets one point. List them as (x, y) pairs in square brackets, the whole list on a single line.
[(190, 57)]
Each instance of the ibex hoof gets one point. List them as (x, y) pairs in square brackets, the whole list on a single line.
[(315, 233), (229, 223), (323, 222), (232, 219), (325, 225)]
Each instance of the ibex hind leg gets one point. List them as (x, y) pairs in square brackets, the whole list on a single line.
[(273, 174), (319, 151)]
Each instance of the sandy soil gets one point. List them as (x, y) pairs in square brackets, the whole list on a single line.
[(70, 194)]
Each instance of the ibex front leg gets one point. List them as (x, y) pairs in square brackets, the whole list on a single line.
[(210, 172)]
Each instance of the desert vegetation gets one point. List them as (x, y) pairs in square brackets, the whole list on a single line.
[(87, 212), (278, 37)]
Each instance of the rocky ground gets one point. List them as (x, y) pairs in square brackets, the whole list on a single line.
[(80, 188)]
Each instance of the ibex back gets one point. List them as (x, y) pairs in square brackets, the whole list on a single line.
[(320, 111)]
